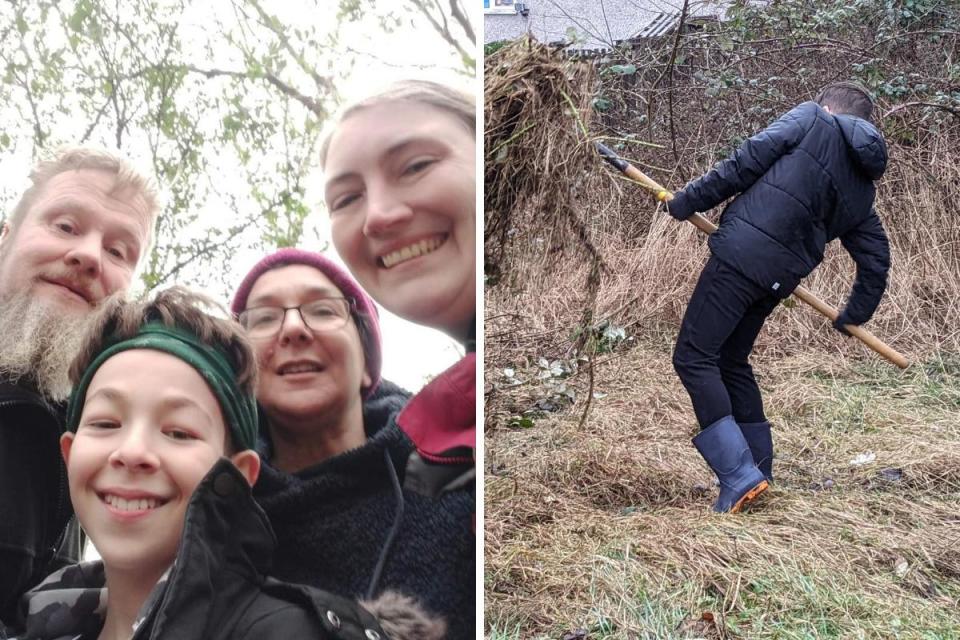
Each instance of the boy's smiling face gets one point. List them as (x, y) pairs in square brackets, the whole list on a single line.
[(150, 430)]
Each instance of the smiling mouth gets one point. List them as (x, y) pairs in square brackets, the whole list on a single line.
[(411, 251), (131, 504), (301, 367), (66, 287)]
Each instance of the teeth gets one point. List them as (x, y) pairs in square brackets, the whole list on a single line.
[(299, 368), (414, 250), (122, 504)]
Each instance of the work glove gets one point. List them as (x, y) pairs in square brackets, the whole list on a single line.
[(679, 207), (841, 320)]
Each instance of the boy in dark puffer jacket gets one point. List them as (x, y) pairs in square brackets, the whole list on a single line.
[(805, 180)]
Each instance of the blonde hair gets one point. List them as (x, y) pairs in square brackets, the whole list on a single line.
[(459, 104), (80, 158)]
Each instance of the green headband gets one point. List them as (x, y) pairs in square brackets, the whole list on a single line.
[(239, 409)]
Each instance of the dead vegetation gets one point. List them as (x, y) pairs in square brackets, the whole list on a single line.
[(608, 528), (602, 529)]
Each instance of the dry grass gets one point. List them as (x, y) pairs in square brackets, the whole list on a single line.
[(608, 528)]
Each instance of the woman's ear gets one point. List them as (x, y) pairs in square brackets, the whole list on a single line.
[(248, 462)]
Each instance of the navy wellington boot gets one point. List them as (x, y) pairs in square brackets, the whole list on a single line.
[(724, 448), (757, 435)]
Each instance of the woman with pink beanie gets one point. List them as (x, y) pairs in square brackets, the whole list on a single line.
[(339, 479)]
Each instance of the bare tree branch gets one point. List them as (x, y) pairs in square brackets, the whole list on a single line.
[(458, 14), (443, 29), (323, 84), (909, 105)]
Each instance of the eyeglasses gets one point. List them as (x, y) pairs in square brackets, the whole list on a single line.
[(324, 314)]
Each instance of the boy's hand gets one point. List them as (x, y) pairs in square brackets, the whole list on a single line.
[(842, 320)]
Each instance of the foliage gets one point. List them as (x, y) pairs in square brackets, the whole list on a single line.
[(223, 102)]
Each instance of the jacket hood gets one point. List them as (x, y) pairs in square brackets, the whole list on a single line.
[(866, 145)]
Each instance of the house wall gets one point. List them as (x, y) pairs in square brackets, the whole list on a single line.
[(597, 24)]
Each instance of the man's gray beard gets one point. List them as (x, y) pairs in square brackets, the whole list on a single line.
[(38, 341)]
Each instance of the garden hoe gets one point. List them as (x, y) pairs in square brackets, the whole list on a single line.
[(708, 227)]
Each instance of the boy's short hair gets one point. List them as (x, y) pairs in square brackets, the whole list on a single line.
[(178, 307), (846, 98)]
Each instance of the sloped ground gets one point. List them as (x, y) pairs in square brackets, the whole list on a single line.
[(605, 530)]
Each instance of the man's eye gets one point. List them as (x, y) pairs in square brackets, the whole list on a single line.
[(117, 252), (66, 227)]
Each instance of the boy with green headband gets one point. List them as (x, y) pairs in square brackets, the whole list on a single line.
[(159, 452)]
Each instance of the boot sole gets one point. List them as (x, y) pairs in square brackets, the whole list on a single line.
[(749, 496)]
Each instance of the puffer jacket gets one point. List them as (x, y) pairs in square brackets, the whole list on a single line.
[(37, 534), (350, 526), (805, 180), (215, 590)]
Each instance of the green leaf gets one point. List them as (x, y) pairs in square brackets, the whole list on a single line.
[(601, 104), (520, 422), (623, 69)]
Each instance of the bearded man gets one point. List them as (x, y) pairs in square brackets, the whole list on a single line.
[(75, 237)]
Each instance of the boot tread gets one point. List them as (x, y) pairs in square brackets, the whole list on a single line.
[(749, 496)]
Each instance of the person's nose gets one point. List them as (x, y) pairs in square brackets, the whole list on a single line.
[(134, 451), (387, 210), (293, 329), (86, 254)]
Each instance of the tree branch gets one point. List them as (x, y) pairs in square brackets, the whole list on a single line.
[(943, 107), (324, 84), (313, 105), (457, 12), (443, 30)]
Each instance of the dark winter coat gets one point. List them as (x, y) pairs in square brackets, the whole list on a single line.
[(215, 590), (346, 519), (35, 509), (802, 182)]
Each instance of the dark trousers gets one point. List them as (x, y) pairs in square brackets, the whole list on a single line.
[(725, 314)]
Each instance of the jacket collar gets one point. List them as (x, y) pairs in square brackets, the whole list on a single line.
[(21, 394), (341, 470), (441, 419)]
